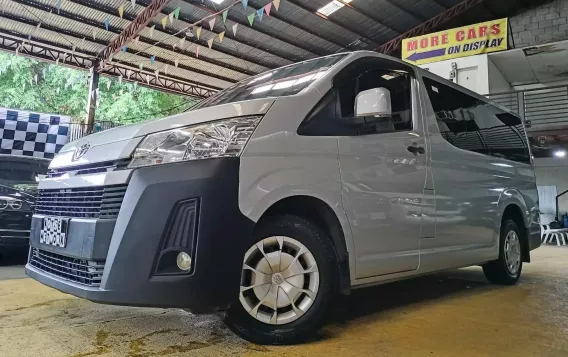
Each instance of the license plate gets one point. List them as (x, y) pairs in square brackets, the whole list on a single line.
[(54, 231)]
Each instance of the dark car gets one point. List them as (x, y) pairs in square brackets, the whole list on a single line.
[(19, 176)]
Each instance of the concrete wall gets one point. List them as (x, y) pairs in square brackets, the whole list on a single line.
[(554, 172), (472, 71), (544, 24), (497, 82)]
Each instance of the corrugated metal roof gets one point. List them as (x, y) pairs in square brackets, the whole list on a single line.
[(295, 32)]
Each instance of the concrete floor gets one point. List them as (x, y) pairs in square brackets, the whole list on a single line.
[(449, 314)]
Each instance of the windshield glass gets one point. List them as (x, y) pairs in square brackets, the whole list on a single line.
[(280, 82)]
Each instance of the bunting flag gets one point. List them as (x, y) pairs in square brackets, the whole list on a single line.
[(164, 22), (124, 48), (221, 36), (181, 42), (152, 31), (38, 26), (94, 34), (152, 59), (235, 30), (120, 80), (211, 23), (174, 45), (245, 3), (107, 23), (251, 18), (137, 40), (210, 43), (176, 13), (58, 6), (35, 79), (141, 66), (56, 61), (83, 42), (176, 62), (225, 13), (198, 32), (260, 13), (189, 33), (276, 4), (129, 73), (156, 73), (171, 17), (166, 67), (196, 51), (133, 2), (267, 8), (148, 79), (121, 11)]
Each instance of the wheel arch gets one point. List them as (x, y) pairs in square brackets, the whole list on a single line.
[(321, 214), (514, 212)]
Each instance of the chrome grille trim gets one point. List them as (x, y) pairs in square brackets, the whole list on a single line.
[(88, 202), (81, 271), (106, 166)]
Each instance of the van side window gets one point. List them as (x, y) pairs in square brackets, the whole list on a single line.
[(334, 114), (474, 125)]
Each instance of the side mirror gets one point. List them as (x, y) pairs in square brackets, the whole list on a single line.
[(373, 102)]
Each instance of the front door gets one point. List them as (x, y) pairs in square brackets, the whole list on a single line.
[(383, 173)]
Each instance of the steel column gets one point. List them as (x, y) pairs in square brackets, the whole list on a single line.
[(92, 100)]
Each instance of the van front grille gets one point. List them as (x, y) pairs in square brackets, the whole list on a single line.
[(86, 272), (86, 202)]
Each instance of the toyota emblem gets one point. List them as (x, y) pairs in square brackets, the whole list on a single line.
[(81, 151)]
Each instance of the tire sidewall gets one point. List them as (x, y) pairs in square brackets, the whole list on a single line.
[(509, 225), (242, 323)]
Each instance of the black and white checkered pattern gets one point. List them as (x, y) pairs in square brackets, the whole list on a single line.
[(32, 134), (53, 232)]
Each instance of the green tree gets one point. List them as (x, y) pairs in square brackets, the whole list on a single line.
[(37, 86)]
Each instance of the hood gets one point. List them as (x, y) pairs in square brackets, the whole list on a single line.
[(118, 143), (21, 191)]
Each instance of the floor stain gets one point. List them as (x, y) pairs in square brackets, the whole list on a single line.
[(40, 304), (183, 348)]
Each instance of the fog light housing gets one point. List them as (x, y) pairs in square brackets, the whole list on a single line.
[(183, 261)]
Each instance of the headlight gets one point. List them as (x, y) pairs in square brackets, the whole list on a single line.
[(224, 138), (12, 204)]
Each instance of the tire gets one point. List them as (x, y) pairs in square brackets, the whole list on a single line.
[(501, 271), (285, 325)]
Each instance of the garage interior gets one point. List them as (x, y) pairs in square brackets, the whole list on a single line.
[(455, 313)]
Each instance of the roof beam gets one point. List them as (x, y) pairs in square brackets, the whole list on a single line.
[(356, 32), (367, 15), (209, 8), (85, 20), (450, 13), (133, 29), (47, 52)]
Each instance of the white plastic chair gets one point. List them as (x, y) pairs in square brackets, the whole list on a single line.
[(548, 235)]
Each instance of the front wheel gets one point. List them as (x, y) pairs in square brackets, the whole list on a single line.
[(288, 282), (506, 270)]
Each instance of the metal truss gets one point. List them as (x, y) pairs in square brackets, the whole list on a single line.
[(452, 12), (133, 29), (55, 53)]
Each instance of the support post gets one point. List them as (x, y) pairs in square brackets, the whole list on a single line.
[(92, 101)]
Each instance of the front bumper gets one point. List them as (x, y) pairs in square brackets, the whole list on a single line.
[(131, 244)]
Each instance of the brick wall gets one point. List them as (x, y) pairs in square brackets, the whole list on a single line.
[(544, 24)]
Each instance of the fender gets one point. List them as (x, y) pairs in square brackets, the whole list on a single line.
[(512, 196)]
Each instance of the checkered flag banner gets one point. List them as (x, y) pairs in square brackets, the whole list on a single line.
[(32, 134)]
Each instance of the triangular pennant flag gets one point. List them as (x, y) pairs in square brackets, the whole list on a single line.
[(137, 40), (245, 3), (276, 4), (108, 84), (94, 34), (124, 48), (225, 13), (133, 2), (38, 26), (58, 6), (156, 73), (129, 73), (198, 32), (73, 49), (171, 17), (164, 22), (141, 66), (260, 13), (152, 31), (210, 42), (152, 59), (176, 62), (148, 79), (235, 30), (267, 8), (166, 67), (211, 23), (176, 12), (251, 18), (221, 36), (107, 23), (83, 42), (120, 79), (174, 46), (64, 56), (121, 11), (197, 52), (56, 61), (181, 42)]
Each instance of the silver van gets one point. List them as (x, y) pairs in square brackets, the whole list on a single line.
[(274, 196)]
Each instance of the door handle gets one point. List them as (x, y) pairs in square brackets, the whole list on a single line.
[(416, 149)]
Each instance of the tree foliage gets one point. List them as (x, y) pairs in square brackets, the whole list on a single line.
[(37, 86)]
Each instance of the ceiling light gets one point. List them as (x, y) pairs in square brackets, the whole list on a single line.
[(560, 153), (332, 7)]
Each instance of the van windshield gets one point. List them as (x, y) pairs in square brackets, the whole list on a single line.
[(280, 82)]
